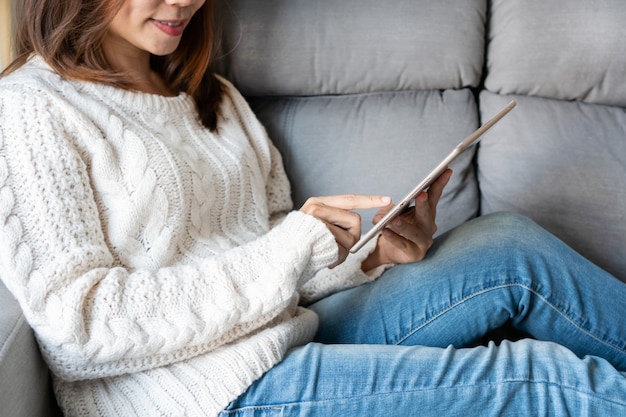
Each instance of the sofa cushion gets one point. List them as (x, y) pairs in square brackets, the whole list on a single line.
[(375, 144), (304, 47), (571, 50), (562, 164), (25, 390), (353, 92)]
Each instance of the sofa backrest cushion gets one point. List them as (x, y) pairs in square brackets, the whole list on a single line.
[(564, 165), (569, 50), (560, 158), (381, 143), (304, 47), (362, 96)]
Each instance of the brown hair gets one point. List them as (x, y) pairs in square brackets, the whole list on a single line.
[(68, 35)]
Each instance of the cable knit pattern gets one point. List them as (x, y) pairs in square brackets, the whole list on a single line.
[(158, 263)]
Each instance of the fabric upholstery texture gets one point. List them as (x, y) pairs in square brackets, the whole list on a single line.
[(570, 50), (563, 164), (24, 378), (302, 47), (375, 144), (367, 97), (560, 158)]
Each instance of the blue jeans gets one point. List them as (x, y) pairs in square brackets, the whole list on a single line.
[(413, 324)]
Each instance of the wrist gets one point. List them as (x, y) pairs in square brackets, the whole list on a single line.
[(372, 261)]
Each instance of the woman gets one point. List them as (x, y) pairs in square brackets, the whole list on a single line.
[(147, 232)]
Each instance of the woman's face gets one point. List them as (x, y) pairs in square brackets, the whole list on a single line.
[(153, 26)]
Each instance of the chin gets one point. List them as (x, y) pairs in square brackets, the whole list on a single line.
[(163, 50), (162, 53)]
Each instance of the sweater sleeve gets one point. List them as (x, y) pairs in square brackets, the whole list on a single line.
[(346, 275), (92, 316)]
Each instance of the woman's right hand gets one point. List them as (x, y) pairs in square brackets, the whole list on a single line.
[(336, 212)]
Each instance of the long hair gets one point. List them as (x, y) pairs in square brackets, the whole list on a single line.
[(68, 35)]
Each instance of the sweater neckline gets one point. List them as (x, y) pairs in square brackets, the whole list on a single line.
[(130, 99)]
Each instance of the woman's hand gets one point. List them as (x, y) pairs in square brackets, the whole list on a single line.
[(344, 224), (410, 235)]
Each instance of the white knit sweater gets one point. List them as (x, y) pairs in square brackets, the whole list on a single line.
[(158, 263)]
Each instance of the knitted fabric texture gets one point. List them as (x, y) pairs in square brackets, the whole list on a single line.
[(159, 263)]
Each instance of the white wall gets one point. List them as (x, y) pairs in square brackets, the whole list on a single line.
[(5, 31)]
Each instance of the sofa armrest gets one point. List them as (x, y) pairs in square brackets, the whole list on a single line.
[(25, 388)]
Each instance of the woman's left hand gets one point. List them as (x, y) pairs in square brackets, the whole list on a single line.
[(409, 236)]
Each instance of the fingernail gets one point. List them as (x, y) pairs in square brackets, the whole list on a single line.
[(385, 199)]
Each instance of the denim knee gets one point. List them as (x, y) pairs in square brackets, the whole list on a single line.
[(514, 231)]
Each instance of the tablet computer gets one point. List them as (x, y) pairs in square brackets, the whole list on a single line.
[(431, 177)]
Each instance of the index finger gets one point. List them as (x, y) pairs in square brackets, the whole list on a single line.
[(355, 201)]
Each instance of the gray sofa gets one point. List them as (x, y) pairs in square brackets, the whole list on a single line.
[(365, 96)]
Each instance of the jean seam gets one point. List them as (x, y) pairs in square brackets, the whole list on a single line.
[(276, 407), (611, 344), (526, 381)]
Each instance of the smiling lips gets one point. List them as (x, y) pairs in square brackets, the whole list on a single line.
[(170, 27)]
